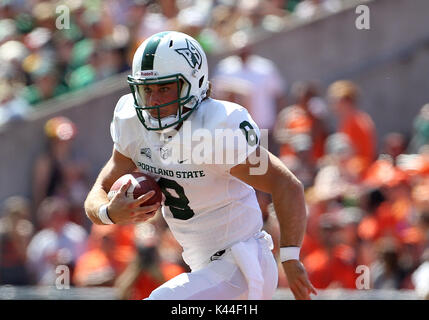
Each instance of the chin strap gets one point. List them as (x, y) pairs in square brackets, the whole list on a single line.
[(164, 121)]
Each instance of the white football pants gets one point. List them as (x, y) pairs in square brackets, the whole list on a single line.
[(221, 279)]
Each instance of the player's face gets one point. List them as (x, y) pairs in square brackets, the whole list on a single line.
[(158, 94)]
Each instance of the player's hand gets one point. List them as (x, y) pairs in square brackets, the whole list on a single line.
[(298, 280), (123, 210)]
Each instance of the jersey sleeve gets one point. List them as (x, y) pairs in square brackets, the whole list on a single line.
[(118, 129), (240, 135)]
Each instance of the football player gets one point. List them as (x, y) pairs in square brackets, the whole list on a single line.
[(210, 206)]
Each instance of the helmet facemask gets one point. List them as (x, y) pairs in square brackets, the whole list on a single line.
[(168, 57), (155, 122)]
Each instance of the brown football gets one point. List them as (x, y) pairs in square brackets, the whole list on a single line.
[(140, 184)]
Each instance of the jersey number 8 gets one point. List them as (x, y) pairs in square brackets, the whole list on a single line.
[(179, 207), (249, 132)]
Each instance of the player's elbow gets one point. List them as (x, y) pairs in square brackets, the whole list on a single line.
[(297, 184), (288, 183), (280, 179), (90, 209), (91, 217)]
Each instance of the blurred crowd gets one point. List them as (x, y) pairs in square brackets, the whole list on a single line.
[(368, 200), (365, 208), (48, 48)]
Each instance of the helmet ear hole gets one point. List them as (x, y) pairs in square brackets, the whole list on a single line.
[(201, 81)]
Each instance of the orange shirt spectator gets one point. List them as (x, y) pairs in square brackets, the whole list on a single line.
[(146, 272), (147, 282), (304, 117), (356, 124), (359, 127), (296, 121), (334, 268), (110, 250)]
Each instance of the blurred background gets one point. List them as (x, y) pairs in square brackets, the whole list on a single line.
[(347, 111)]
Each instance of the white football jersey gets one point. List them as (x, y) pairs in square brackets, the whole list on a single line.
[(206, 208)]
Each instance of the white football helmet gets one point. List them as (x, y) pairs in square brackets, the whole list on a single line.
[(169, 57)]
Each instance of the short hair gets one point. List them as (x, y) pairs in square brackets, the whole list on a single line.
[(344, 89), (303, 88)]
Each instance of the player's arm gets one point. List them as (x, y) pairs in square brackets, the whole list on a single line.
[(120, 209), (289, 204)]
